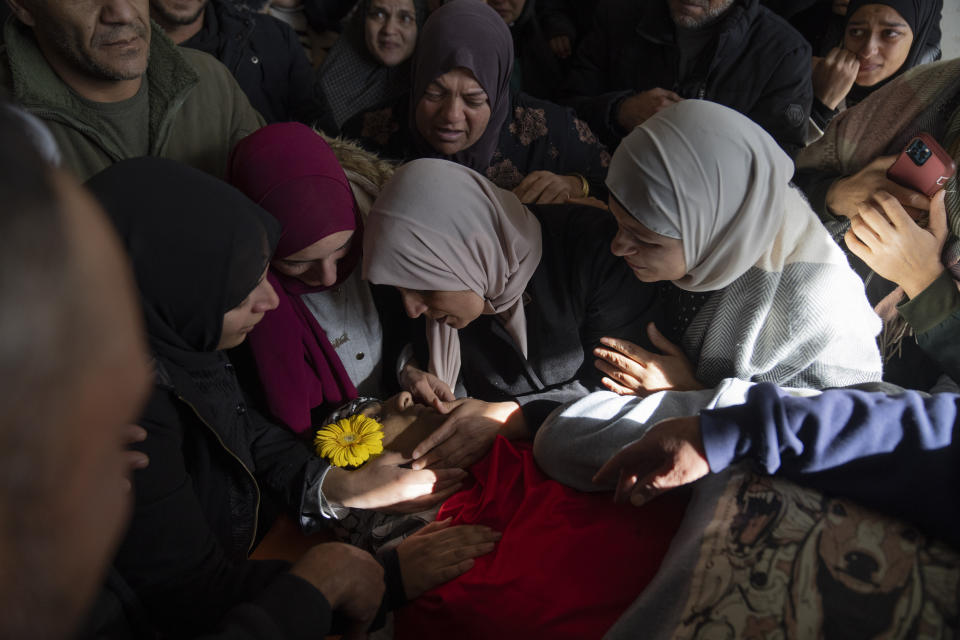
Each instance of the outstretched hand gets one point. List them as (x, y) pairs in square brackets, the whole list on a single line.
[(383, 483), (439, 553), (668, 456), (468, 433), (632, 370)]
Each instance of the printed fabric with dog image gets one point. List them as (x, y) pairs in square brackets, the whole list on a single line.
[(777, 560), (796, 564)]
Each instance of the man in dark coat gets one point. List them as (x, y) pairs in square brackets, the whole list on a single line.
[(644, 56), (261, 52), (536, 70)]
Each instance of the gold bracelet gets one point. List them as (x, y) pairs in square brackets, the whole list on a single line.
[(584, 185)]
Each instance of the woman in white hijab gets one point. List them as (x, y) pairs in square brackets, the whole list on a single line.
[(516, 298), (703, 199)]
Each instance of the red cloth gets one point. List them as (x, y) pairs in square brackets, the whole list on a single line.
[(568, 565)]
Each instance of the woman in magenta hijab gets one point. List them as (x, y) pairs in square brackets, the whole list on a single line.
[(325, 343)]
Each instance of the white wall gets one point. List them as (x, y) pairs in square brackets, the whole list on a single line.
[(950, 26)]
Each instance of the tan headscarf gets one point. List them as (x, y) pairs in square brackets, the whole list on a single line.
[(439, 226), (710, 176)]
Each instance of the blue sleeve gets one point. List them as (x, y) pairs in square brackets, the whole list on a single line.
[(894, 453)]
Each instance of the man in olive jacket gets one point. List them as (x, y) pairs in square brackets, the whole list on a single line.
[(109, 87)]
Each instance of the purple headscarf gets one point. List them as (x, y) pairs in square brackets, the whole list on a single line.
[(291, 172), (468, 34)]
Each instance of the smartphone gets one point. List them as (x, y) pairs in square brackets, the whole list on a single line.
[(923, 166)]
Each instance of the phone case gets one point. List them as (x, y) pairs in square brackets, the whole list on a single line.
[(923, 166)]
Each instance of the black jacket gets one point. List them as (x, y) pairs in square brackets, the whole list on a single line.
[(759, 65), (579, 293), (213, 461), (265, 57), (536, 71), (182, 571)]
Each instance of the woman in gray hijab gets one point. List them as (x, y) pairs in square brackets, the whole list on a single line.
[(757, 289)]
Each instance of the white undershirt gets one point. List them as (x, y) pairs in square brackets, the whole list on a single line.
[(350, 319)]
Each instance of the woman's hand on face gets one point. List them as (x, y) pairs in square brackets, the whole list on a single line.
[(834, 75), (425, 387), (632, 370), (546, 187), (844, 195), (439, 553), (468, 433), (891, 243), (670, 455), (383, 484)]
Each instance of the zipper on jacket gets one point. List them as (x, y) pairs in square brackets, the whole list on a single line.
[(90, 132), (163, 129), (256, 512)]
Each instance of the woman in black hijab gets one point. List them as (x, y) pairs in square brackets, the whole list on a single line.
[(461, 108), (359, 72), (881, 39), (200, 251)]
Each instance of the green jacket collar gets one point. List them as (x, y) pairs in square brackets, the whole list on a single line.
[(40, 90)]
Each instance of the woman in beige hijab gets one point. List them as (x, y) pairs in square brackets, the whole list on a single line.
[(515, 298)]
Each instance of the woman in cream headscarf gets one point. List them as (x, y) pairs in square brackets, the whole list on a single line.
[(759, 291), (515, 298)]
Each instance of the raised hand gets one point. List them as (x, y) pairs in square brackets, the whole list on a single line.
[(834, 75), (668, 456)]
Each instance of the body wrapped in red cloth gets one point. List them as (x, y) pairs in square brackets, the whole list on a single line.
[(568, 565)]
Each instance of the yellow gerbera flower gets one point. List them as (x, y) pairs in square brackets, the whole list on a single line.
[(351, 441)]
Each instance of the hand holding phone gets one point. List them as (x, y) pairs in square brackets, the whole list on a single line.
[(923, 166)]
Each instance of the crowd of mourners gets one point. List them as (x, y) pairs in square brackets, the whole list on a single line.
[(474, 319)]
